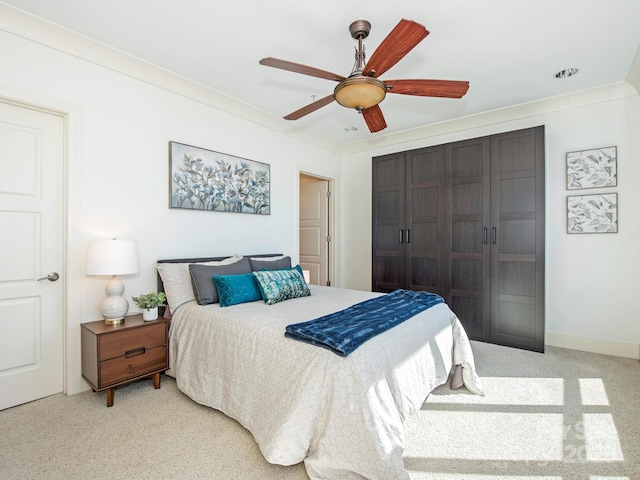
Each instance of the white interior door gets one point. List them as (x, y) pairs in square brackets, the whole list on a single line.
[(314, 230), (31, 247)]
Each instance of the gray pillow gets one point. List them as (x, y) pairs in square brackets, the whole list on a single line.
[(279, 263), (202, 278)]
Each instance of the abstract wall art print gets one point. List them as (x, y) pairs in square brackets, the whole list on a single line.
[(592, 213), (594, 168), (201, 179)]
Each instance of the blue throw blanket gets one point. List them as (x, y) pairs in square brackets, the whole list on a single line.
[(344, 331)]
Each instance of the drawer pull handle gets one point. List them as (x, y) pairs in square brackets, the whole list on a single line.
[(135, 352)]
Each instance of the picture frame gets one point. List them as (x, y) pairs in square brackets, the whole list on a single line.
[(202, 179), (595, 168), (592, 213)]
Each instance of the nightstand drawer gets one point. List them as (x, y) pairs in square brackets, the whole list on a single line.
[(124, 368), (118, 343), (114, 355)]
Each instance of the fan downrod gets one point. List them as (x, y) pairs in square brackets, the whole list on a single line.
[(360, 29)]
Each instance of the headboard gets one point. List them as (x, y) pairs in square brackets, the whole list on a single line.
[(200, 260)]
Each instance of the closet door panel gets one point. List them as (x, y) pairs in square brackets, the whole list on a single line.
[(388, 204), (470, 308), (517, 236), (517, 194), (517, 277), (467, 197), (388, 207), (387, 235), (387, 274), (389, 172), (466, 275), (517, 258), (516, 321), (467, 237), (424, 274), (467, 214), (424, 238)]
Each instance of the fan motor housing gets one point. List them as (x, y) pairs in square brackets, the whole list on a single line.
[(360, 29)]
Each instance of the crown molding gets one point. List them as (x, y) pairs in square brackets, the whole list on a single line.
[(50, 35), (606, 93)]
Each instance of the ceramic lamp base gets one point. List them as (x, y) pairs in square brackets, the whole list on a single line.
[(114, 307)]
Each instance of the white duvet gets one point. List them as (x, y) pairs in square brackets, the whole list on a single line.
[(342, 416)]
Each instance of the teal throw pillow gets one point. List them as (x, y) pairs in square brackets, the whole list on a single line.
[(235, 289)]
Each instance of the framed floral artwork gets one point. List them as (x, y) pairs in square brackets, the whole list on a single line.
[(594, 168), (201, 179), (592, 213)]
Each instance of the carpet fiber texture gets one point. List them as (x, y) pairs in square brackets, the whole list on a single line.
[(560, 415)]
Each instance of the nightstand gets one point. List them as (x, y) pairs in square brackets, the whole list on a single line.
[(114, 355)]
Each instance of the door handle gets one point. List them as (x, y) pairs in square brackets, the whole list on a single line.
[(485, 233), (493, 235), (52, 277), (401, 236), (408, 236)]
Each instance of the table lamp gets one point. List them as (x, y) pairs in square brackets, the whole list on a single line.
[(113, 257)]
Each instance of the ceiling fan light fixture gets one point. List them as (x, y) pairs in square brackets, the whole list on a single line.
[(360, 92)]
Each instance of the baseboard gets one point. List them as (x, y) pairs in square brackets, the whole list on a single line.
[(594, 345)]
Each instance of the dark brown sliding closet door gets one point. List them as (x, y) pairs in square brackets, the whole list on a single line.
[(466, 220), (467, 234), (407, 221), (424, 221), (388, 248), (517, 261)]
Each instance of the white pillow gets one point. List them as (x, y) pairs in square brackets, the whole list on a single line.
[(177, 280)]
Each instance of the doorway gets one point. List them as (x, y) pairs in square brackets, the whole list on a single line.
[(32, 159), (315, 228)]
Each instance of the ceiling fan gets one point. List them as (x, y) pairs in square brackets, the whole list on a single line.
[(362, 89)]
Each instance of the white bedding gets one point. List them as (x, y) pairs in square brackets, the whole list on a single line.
[(342, 415)]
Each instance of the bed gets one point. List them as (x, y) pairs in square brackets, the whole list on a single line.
[(342, 415)]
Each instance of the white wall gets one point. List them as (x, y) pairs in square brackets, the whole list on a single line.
[(118, 172), (591, 279)]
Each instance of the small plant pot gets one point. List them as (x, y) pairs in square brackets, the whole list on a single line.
[(150, 314)]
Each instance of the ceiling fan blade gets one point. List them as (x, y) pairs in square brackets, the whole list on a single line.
[(374, 118), (312, 107), (400, 41), (299, 68), (428, 88)]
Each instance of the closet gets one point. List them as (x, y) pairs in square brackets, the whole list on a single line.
[(466, 220), (408, 225)]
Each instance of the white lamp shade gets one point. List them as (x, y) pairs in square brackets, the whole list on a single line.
[(112, 257)]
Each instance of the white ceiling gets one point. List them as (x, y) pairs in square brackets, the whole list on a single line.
[(508, 50)]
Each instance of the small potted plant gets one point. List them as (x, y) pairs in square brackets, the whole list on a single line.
[(149, 303)]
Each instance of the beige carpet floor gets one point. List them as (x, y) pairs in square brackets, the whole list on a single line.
[(559, 415)]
